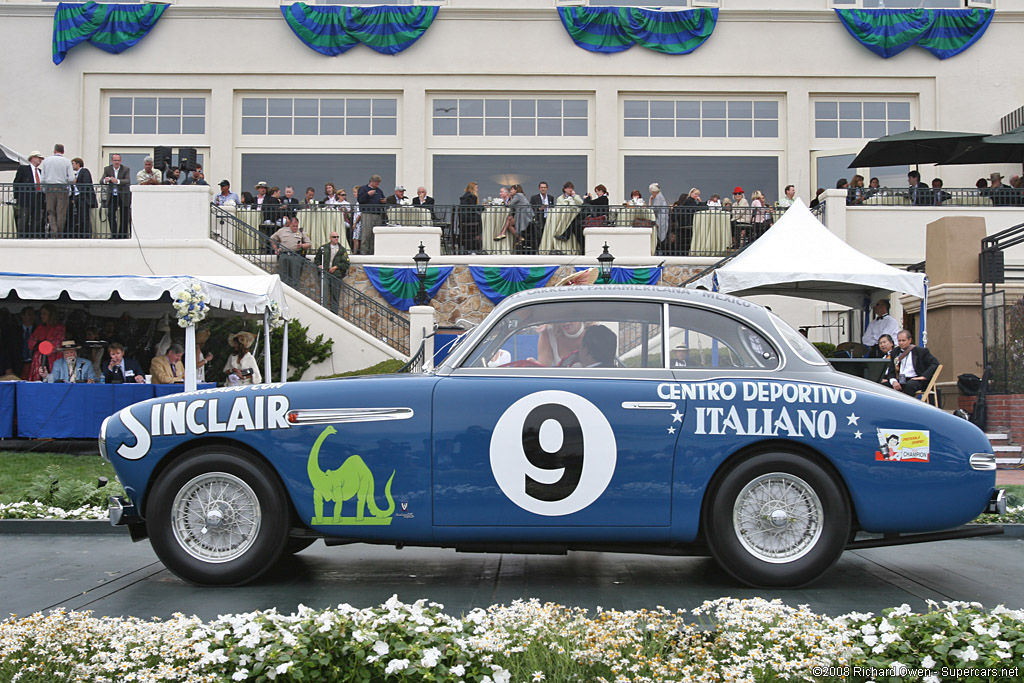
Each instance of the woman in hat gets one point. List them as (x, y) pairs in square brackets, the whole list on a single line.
[(241, 367), (49, 329)]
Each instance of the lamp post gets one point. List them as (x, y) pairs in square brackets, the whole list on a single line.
[(421, 259), (604, 262)]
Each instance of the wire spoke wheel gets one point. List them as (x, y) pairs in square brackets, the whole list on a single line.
[(778, 517), (216, 517)]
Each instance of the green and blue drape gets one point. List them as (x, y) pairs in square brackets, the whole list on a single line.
[(888, 32), (498, 282), (614, 29), (631, 276), (112, 28), (334, 29), (399, 286)]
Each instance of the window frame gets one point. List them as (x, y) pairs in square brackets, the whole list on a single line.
[(510, 97), (911, 100), (249, 138), (168, 139)]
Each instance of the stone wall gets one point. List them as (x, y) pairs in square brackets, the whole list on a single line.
[(460, 298)]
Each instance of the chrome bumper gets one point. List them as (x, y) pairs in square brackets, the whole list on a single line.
[(124, 513), (997, 504)]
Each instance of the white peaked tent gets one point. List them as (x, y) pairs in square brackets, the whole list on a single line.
[(249, 294), (799, 257)]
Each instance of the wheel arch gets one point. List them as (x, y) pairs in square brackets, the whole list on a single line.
[(183, 449), (754, 449)]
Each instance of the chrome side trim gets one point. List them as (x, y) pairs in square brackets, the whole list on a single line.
[(983, 461), (319, 416), (103, 439), (648, 405)]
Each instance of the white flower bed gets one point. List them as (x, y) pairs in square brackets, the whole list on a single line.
[(36, 510), (732, 640)]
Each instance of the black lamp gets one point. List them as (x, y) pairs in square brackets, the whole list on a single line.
[(604, 262), (421, 259)]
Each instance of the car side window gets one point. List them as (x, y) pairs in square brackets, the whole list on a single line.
[(579, 334), (699, 338)]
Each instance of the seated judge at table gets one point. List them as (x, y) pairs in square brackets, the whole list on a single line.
[(241, 367), (120, 369), (889, 353), (915, 365), (70, 368), (169, 369)]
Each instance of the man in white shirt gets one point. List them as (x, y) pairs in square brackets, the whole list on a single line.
[(787, 201), (881, 323), (149, 175), (57, 176)]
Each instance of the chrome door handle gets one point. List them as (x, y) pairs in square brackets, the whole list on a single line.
[(649, 405)]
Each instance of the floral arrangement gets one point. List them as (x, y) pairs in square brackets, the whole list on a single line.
[(191, 305), (496, 201), (636, 201), (37, 510), (275, 318), (732, 640), (405, 201)]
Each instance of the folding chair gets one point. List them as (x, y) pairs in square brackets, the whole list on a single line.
[(929, 395)]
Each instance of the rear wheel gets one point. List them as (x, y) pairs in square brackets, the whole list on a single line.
[(777, 519), (218, 517)]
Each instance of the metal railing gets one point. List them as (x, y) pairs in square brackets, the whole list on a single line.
[(1002, 320), (64, 211), (300, 273), (928, 196)]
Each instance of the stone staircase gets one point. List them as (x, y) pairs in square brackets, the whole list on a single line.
[(1007, 455)]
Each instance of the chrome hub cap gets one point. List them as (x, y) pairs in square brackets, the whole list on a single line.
[(778, 517), (216, 517)]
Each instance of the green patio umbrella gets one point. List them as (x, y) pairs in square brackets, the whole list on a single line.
[(913, 147), (1007, 148)]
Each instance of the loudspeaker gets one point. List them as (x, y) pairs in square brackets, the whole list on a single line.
[(991, 265), (162, 158), (187, 158)]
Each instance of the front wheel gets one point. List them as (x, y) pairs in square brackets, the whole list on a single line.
[(777, 519), (218, 517)]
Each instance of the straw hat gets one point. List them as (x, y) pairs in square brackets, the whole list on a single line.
[(247, 338), (68, 345)]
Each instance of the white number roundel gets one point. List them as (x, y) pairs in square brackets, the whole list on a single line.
[(553, 453)]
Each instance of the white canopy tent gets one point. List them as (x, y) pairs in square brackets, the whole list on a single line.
[(799, 257), (248, 294)]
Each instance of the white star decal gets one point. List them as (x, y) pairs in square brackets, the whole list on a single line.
[(677, 416), (851, 419), (671, 430), (856, 434)]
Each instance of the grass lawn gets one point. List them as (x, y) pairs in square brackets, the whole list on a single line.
[(17, 470)]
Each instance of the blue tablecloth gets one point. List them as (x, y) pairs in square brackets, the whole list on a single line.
[(7, 403), (76, 411)]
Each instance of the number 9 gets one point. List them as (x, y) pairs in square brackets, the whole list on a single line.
[(553, 453)]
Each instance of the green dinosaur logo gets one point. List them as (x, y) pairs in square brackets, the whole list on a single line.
[(352, 479)]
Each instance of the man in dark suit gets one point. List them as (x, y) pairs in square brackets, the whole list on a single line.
[(915, 365), (83, 201), (29, 197), (119, 369), (289, 202), (920, 194), (541, 201), (422, 199), (118, 197)]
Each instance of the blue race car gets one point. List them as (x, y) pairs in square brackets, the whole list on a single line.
[(618, 418)]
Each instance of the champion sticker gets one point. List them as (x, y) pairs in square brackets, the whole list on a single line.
[(903, 445)]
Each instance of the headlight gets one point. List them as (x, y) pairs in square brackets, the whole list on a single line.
[(103, 439)]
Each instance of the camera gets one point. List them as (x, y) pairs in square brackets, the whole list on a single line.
[(247, 372)]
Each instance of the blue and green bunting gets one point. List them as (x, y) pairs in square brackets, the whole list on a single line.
[(631, 276), (888, 32), (111, 28), (334, 29), (498, 282), (614, 29), (399, 286)]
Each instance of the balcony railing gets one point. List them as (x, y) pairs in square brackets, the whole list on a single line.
[(75, 212), (928, 196), (300, 273)]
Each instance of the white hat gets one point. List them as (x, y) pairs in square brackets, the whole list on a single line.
[(35, 154), (262, 183)]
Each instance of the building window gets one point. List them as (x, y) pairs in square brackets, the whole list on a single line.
[(701, 118), (157, 115), (855, 119), (319, 116), (516, 117)]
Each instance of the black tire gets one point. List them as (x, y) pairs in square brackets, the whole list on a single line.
[(777, 519), (218, 517)]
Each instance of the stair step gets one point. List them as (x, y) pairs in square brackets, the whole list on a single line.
[(1008, 461), (1006, 449), (997, 437)]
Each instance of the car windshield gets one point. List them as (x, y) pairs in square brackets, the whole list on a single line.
[(578, 334)]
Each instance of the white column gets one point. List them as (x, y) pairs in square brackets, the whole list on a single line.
[(284, 354), (190, 358), (421, 326), (266, 345)]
